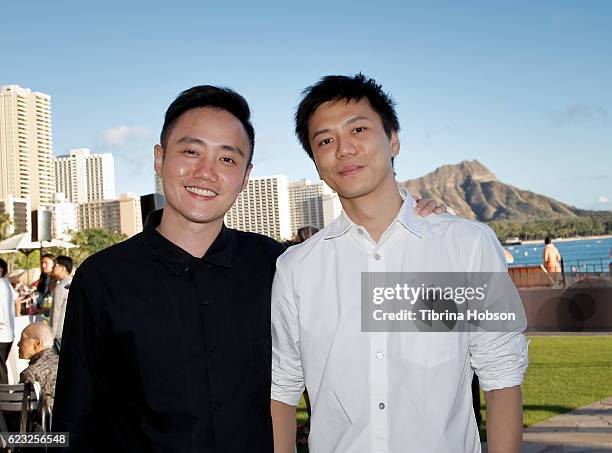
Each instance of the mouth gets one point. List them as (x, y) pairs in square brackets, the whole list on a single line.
[(201, 192), (350, 170)]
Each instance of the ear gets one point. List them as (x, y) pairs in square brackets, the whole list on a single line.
[(158, 153), (247, 173), (395, 144)]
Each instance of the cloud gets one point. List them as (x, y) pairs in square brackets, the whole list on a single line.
[(579, 113), (121, 136), (602, 200)]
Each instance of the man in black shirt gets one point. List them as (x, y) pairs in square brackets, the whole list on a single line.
[(166, 343)]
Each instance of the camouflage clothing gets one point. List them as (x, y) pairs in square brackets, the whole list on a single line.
[(43, 369)]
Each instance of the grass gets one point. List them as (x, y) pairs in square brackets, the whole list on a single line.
[(565, 372)]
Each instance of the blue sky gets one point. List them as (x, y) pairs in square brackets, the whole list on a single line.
[(524, 87)]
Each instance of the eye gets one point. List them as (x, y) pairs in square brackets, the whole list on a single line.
[(325, 141), (228, 160), (190, 152), (359, 129)]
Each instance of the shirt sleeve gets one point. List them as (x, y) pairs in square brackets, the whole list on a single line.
[(6, 298), (77, 394), (287, 376), (59, 307), (499, 358)]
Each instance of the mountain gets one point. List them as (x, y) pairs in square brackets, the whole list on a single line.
[(473, 191)]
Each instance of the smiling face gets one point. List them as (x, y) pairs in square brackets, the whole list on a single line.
[(351, 149), (204, 166)]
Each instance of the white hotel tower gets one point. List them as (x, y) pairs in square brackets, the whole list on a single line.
[(263, 207), (83, 177), (25, 145)]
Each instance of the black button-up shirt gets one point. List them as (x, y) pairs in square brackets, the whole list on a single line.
[(162, 351)]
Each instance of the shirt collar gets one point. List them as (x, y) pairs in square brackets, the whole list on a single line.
[(406, 217), (42, 355), (219, 253)]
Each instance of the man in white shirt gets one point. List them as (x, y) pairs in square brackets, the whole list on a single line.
[(382, 391), (7, 320)]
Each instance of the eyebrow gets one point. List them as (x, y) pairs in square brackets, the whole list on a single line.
[(349, 121), (197, 141)]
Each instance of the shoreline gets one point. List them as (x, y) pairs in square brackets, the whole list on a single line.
[(582, 238)]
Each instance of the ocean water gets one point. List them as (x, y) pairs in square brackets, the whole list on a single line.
[(589, 254)]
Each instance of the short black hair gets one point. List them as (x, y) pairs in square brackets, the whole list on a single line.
[(337, 87), (65, 261), (3, 268), (547, 240), (209, 96)]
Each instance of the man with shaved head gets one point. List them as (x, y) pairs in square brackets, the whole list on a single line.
[(36, 345)]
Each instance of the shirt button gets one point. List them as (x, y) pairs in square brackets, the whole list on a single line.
[(376, 256), (359, 230), (379, 355), (381, 406)]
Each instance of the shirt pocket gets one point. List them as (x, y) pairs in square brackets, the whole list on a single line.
[(431, 349)]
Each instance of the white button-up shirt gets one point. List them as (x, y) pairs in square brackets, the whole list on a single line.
[(386, 391)]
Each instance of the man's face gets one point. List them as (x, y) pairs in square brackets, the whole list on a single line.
[(204, 167), (350, 147), (28, 345), (58, 272), (46, 265)]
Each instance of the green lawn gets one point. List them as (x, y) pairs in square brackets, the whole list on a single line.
[(565, 372)]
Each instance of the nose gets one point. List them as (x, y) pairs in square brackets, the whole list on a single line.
[(345, 147), (205, 169)]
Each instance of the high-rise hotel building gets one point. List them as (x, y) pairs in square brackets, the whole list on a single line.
[(26, 145), (83, 177), (119, 216), (306, 204), (263, 207)]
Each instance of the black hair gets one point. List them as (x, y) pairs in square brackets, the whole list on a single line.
[(209, 96), (335, 88), (547, 240), (65, 261), (306, 232), (3, 268)]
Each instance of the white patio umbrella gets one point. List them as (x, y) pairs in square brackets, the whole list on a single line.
[(23, 243)]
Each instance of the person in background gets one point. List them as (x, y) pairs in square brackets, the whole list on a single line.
[(45, 283), (61, 273), (36, 345), (7, 320), (551, 257), (305, 233)]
